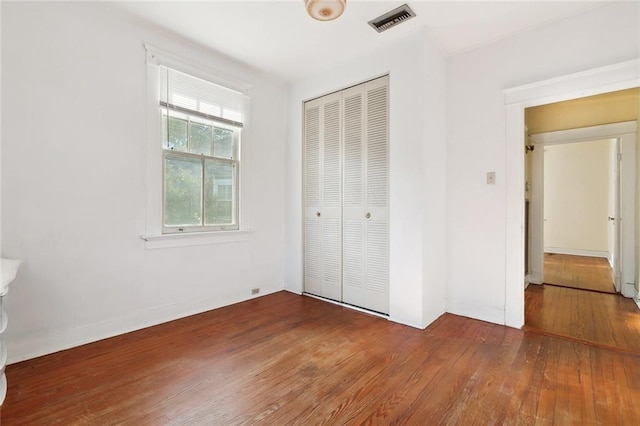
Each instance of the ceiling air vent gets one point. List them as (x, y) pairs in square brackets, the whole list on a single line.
[(392, 18)]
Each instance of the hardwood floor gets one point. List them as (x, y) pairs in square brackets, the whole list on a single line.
[(588, 273), (608, 320), (288, 359)]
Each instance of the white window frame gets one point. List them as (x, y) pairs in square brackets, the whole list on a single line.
[(155, 235)]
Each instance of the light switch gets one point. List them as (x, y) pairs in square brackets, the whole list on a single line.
[(491, 178)]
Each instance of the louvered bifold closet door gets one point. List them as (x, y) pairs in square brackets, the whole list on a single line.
[(323, 197), (366, 195)]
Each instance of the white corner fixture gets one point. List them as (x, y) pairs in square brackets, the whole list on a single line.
[(9, 269), (325, 10)]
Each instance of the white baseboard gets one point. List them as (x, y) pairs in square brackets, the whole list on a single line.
[(430, 319), (576, 252), (408, 324), (471, 309), (534, 278), (629, 290), (45, 343)]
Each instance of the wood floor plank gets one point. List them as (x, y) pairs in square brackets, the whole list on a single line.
[(546, 407), (601, 366), (288, 359), (530, 384)]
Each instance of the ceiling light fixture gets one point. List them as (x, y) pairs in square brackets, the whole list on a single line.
[(325, 10)]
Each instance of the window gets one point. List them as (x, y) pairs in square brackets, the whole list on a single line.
[(201, 127)]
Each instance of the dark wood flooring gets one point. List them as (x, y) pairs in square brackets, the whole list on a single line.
[(587, 273), (287, 359)]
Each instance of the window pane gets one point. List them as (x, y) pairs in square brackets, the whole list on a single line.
[(223, 143), (177, 131), (200, 138), (182, 191), (219, 193)]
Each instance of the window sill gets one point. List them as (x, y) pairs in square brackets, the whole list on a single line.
[(195, 239)]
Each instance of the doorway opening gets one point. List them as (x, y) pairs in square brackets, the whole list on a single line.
[(581, 239), (579, 195), (620, 76), (581, 183)]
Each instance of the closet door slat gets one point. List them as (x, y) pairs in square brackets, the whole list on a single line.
[(376, 291), (312, 188)]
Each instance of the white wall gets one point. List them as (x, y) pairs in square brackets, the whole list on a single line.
[(576, 198), (74, 183), (417, 174), (74, 178), (476, 247)]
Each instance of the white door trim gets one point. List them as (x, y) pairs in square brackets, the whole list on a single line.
[(592, 82), (536, 217), (624, 246), (584, 134), (620, 76), (626, 219)]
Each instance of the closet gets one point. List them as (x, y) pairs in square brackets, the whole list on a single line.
[(346, 196)]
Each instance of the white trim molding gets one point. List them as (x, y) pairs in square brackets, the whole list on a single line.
[(584, 134), (43, 343), (628, 290), (195, 238), (577, 252), (620, 76), (533, 278)]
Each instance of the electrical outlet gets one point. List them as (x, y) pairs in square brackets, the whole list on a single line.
[(255, 290)]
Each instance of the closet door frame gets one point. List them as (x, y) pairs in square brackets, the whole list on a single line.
[(363, 226)]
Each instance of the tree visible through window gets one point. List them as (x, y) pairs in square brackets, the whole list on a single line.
[(200, 142)]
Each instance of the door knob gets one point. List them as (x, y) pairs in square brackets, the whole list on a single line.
[(368, 215), (318, 214)]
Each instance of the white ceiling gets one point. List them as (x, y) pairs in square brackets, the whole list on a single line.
[(278, 37)]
